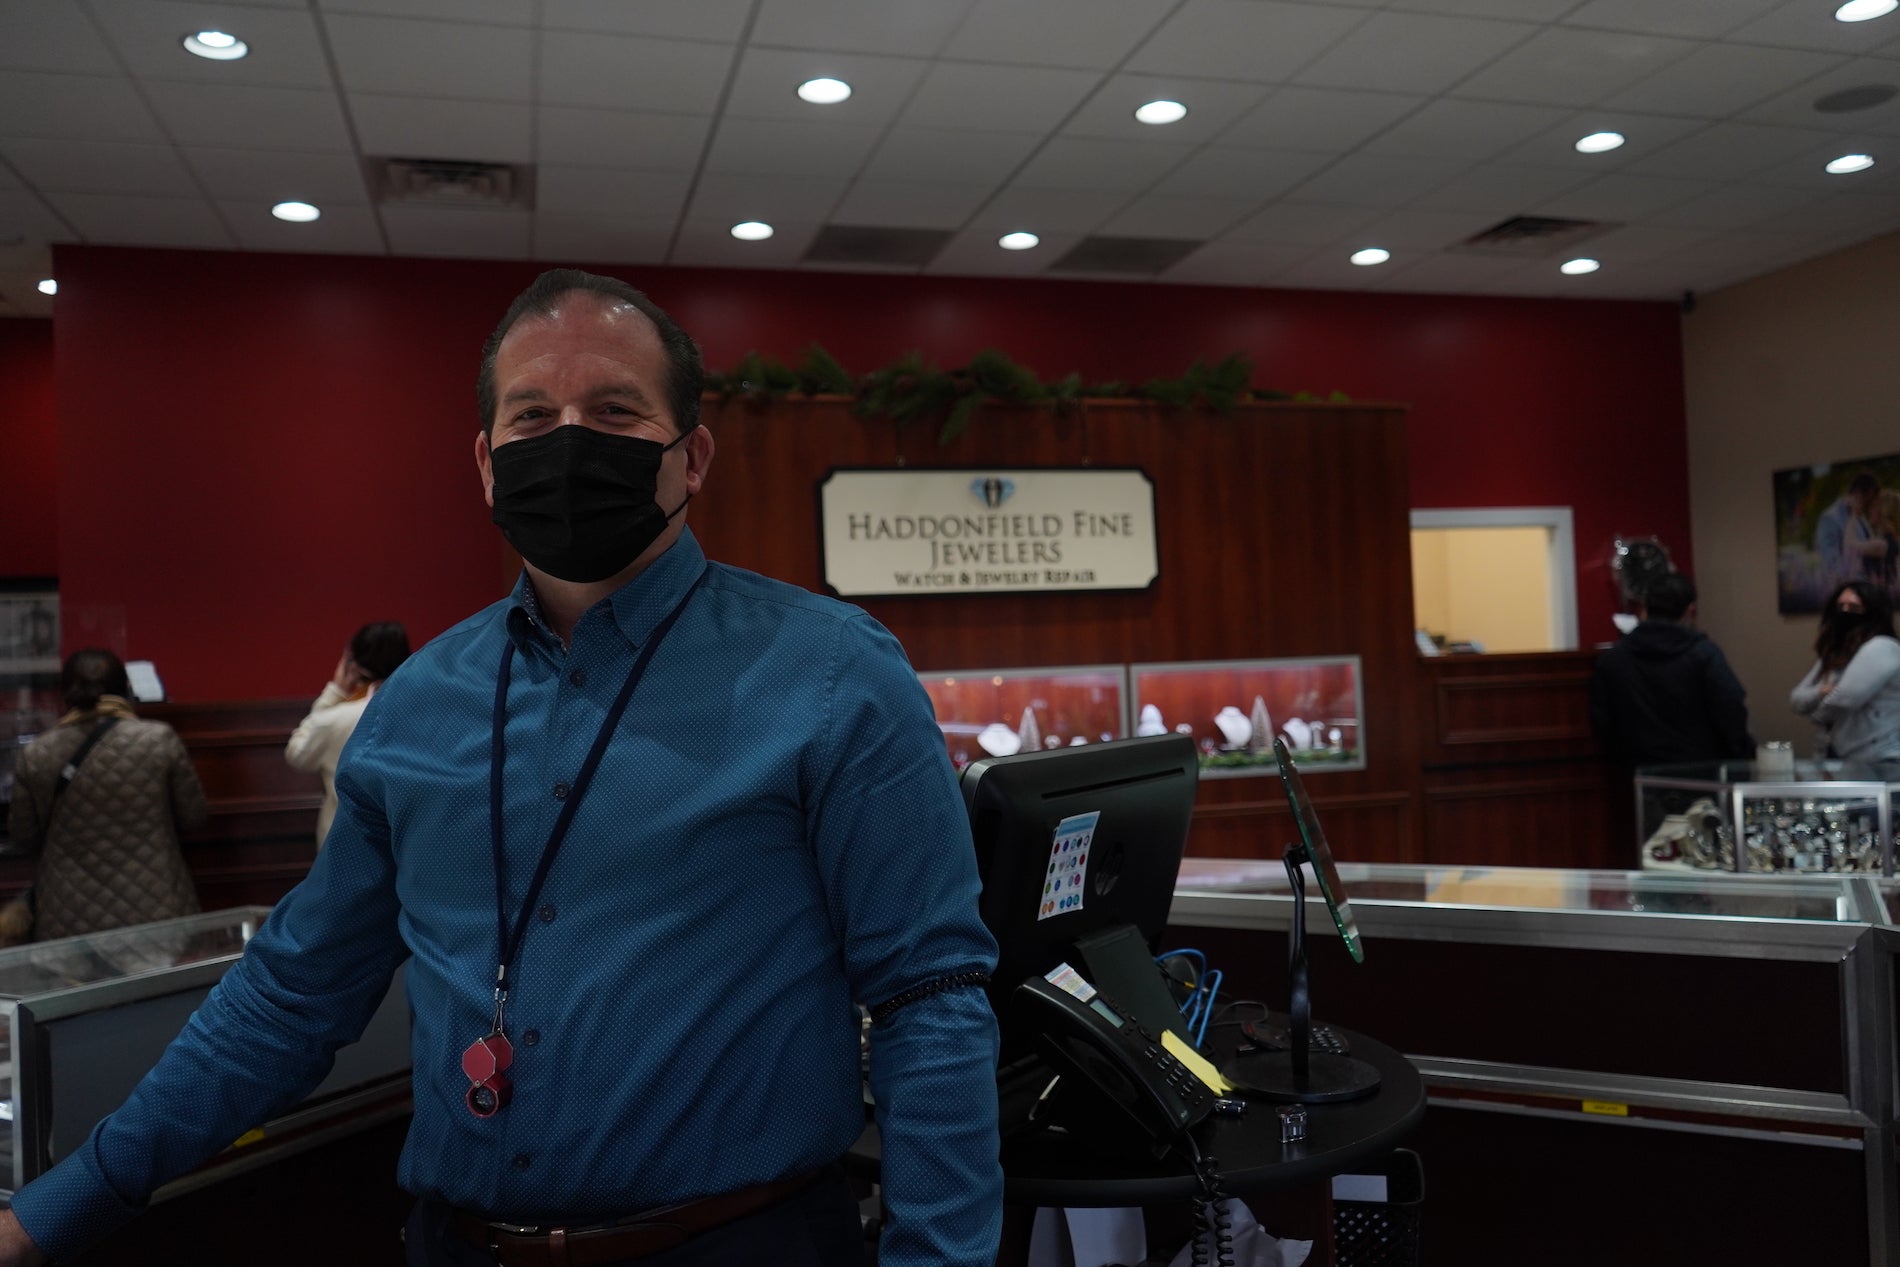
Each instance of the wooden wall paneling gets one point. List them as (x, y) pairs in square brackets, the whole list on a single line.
[(1370, 827)]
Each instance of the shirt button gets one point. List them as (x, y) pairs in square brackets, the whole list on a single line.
[(522, 1161), (560, 791), (530, 1038), (546, 912), (578, 677)]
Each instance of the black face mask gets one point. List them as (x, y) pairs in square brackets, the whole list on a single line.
[(579, 503)]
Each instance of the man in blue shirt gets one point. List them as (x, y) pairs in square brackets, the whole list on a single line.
[(645, 831)]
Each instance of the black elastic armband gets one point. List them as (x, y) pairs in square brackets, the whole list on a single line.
[(904, 998)]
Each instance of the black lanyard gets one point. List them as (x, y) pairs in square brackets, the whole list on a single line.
[(508, 944)]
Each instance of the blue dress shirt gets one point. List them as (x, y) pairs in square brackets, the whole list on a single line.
[(773, 835)]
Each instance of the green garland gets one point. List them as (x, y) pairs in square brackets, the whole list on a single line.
[(910, 388)]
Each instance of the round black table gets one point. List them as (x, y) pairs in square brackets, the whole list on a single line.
[(1056, 1169)]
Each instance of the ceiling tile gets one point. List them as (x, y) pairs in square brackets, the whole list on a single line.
[(241, 117), (1865, 214), (724, 200), (1720, 79), (623, 73), (415, 127), (1465, 130), (100, 167), (1330, 270), (1522, 10), (1212, 105), (1729, 151), (1413, 52), (1415, 229), (1442, 274), (916, 28), (1640, 243), (148, 34), (1303, 223), (1320, 119), (1622, 196), (603, 193), (8, 181), (712, 244), (577, 239), (1810, 25), (26, 216), (1166, 216), (1735, 207), (1375, 180), (974, 253), (910, 204), (58, 38), (1081, 33), (1795, 107), (129, 221), (1087, 163), (1500, 191), (766, 85), (719, 20), (1259, 41), (997, 98), (462, 232), (617, 138), (1220, 171), (432, 59), (769, 148), (1809, 171), (1047, 211), (1568, 67), (941, 154), (266, 177), (1644, 134), (1695, 19), (343, 229), (505, 12), (1236, 264), (73, 107)]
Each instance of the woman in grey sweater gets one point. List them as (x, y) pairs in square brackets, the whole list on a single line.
[(1853, 690)]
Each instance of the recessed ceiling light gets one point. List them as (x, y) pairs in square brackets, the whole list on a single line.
[(1159, 112), (1017, 241), (49, 287), (1576, 268), (824, 92), (1862, 10), (1371, 255), (1850, 163), (295, 212), (1598, 142), (752, 230), (219, 46)]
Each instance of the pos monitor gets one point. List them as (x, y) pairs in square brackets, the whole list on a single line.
[(1078, 849)]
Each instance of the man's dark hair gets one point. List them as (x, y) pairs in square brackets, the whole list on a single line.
[(1864, 482), (1844, 633), (1669, 596), (685, 376), (378, 649), (89, 673)]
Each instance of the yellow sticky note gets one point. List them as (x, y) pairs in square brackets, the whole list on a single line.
[(252, 1136), (1194, 1060), (1606, 1108)]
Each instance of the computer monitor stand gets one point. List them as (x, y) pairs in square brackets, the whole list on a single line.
[(1300, 1075)]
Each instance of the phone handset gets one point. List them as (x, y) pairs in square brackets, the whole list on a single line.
[(1090, 1038)]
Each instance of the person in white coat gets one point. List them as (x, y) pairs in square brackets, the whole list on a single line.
[(1853, 690), (373, 654)]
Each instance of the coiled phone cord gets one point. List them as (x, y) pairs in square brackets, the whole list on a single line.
[(1211, 1218)]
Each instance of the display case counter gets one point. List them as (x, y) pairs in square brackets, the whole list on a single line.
[(87, 1017), (1808, 817), (1753, 1013)]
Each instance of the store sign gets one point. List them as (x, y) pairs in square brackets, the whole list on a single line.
[(987, 531)]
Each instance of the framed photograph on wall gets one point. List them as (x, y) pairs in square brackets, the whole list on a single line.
[(1835, 522)]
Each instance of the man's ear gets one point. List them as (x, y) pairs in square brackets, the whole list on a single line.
[(485, 465), (699, 455)]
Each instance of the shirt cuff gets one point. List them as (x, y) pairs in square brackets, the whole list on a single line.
[(70, 1206)]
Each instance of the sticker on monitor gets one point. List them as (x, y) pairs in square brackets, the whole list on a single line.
[(1066, 880)]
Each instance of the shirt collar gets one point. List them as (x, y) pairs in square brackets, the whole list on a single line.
[(636, 607)]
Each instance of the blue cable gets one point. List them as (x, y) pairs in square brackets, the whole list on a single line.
[(1197, 1010)]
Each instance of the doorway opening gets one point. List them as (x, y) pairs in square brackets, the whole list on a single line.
[(1494, 580)]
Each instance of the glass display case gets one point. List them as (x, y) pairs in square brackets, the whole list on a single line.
[(1234, 708), (87, 1017), (1810, 817), (999, 712)]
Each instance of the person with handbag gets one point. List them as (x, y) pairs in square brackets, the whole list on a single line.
[(102, 798)]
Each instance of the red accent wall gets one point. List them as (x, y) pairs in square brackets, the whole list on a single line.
[(29, 449), (277, 448)]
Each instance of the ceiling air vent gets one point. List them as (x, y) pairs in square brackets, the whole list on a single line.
[(1143, 257), (1531, 237), (441, 182), (870, 244)]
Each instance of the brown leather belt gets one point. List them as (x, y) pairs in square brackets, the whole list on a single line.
[(635, 1236)]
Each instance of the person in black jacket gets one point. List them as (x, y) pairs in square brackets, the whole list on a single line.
[(1664, 693)]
